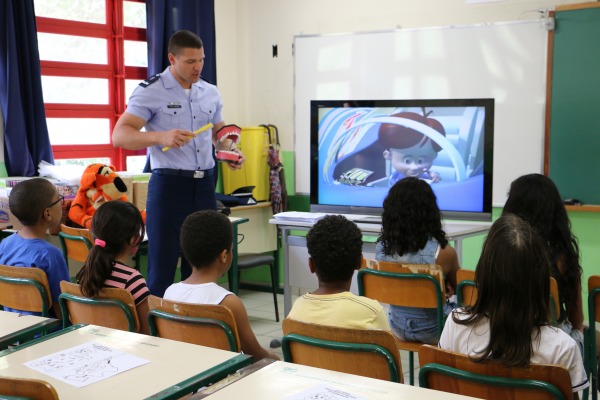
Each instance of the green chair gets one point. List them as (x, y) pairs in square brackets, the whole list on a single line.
[(203, 324), (365, 352), (26, 289), (466, 288), (589, 336), (112, 308), (408, 285), (457, 373), (75, 243)]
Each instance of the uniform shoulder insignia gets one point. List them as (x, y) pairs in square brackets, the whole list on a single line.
[(150, 80), (206, 80)]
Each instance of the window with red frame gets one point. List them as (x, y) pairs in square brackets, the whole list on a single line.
[(93, 53)]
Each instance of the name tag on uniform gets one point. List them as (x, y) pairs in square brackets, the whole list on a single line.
[(174, 105)]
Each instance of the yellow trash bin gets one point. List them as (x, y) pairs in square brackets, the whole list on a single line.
[(254, 142)]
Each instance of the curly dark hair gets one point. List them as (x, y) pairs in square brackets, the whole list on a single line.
[(410, 218), (204, 235), (29, 198), (513, 281), (116, 223), (335, 246), (535, 198)]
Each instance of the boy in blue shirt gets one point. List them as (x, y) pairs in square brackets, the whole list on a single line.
[(38, 206)]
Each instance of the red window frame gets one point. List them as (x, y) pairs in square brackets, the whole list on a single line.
[(115, 71)]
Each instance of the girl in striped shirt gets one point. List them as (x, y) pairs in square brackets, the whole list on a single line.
[(118, 229)]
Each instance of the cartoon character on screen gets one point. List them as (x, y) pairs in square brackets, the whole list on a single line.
[(410, 152)]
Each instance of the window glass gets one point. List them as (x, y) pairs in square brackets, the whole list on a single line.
[(134, 14), (136, 54), (136, 164), (73, 131), (130, 85), (82, 10), (59, 89), (66, 48)]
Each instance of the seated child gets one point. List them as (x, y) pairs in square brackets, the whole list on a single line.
[(509, 321), (118, 229), (207, 244), (335, 248), (411, 232), (38, 206)]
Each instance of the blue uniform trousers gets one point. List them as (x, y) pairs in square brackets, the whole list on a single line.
[(170, 200)]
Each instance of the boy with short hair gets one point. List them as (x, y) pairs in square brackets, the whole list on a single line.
[(38, 206), (335, 248), (207, 244)]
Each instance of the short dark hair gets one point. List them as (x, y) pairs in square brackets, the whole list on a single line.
[(184, 40), (29, 198), (410, 218), (335, 246), (204, 235), (513, 281)]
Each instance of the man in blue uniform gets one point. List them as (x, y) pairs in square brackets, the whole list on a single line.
[(171, 106)]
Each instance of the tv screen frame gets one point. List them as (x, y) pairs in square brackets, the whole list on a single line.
[(349, 161)]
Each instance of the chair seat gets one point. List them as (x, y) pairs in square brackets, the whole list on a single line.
[(254, 260)]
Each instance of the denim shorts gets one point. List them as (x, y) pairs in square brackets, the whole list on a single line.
[(417, 325)]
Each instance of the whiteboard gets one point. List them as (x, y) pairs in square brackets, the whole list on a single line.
[(505, 61)]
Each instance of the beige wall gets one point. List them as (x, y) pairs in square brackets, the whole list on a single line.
[(258, 88)]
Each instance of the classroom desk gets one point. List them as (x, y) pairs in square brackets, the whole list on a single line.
[(175, 368), (455, 231), (15, 327), (281, 380)]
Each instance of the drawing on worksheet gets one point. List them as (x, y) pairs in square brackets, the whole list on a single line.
[(323, 392), (85, 364)]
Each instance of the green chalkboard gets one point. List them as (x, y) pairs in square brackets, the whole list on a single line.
[(574, 109)]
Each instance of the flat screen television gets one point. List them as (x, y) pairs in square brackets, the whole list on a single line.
[(359, 149)]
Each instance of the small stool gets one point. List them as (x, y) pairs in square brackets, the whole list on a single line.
[(257, 260)]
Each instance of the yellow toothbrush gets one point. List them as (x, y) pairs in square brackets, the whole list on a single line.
[(204, 128)]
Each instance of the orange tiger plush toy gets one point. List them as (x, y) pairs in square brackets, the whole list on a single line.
[(99, 184)]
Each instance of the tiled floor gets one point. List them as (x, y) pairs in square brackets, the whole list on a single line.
[(261, 313)]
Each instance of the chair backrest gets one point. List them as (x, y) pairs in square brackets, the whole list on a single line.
[(25, 289), (27, 389), (112, 308), (204, 324), (457, 373), (409, 285), (466, 290), (75, 243), (365, 352)]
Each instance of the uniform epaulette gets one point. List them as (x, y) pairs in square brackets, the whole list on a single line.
[(206, 80), (150, 80)]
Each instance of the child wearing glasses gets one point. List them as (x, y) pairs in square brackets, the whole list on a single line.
[(37, 205)]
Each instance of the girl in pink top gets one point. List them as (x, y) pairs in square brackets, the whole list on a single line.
[(118, 229)]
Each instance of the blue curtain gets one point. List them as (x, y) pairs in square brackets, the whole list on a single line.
[(164, 17), (26, 140)]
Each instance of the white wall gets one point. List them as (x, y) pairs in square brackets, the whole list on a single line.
[(258, 88)]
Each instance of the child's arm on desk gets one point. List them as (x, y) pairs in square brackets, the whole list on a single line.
[(248, 340)]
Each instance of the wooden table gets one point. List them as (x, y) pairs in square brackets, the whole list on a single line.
[(175, 368), (281, 380), (15, 327)]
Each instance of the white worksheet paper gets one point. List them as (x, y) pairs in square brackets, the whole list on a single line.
[(323, 392), (85, 364)]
